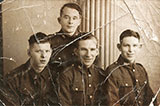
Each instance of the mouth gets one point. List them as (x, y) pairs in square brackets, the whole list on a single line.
[(43, 61), (88, 60), (70, 26), (130, 55)]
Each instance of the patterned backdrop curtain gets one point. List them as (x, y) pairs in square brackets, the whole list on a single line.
[(98, 17)]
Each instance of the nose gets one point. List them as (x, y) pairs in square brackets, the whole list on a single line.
[(88, 53), (130, 48), (70, 20), (43, 54)]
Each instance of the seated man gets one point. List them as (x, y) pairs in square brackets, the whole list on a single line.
[(127, 81), (78, 82), (31, 83)]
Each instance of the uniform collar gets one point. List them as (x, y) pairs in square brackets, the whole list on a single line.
[(84, 69), (28, 65), (123, 61), (33, 74), (65, 35)]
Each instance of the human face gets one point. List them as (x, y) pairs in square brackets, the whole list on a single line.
[(40, 55), (129, 48), (87, 51), (70, 20)]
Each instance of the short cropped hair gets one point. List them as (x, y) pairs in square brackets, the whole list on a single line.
[(129, 33), (85, 36), (38, 38), (73, 6)]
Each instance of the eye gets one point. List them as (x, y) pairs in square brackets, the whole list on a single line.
[(47, 51), (135, 45), (38, 51), (93, 49), (75, 18), (66, 17), (82, 49), (125, 45)]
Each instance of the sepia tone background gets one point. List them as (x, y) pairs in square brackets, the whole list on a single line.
[(104, 18)]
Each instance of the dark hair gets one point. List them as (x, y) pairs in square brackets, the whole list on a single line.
[(85, 36), (73, 6), (38, 38), (129, 33)]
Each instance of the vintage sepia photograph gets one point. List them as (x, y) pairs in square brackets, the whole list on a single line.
[(79, 53)]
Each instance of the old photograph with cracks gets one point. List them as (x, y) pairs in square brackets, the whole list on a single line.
[(79, 53)]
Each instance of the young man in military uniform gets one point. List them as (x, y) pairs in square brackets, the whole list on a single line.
[(31, 83), (78, 82), (127, 81), (62, 45)]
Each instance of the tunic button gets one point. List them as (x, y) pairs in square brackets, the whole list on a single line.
[(79, 67), (133, 70), (126, 84), (59, 58), (63, 36), (90, 96), (76, 89), (145, 82), (90, 85), (136, 80), (89, 75)]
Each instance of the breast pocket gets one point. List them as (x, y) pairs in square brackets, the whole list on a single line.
[(126, 93), (141, 87), (78, 93), (142, 81)]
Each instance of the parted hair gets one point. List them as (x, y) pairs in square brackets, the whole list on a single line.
[(85, 36), (73, 6), (129, 33), (39, 37)]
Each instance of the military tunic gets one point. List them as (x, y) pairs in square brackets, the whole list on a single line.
[(63, 50), (77, 85), (126, 85), (31, 88)]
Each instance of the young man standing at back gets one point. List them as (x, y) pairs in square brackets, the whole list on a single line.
[(70, 19)]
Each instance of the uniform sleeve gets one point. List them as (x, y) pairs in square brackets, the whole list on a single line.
[(64, 91), (148, 92), (10, 91), (111, 92)]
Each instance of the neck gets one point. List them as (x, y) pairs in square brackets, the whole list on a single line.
[(36, 68), (68, 33), (127, 61)]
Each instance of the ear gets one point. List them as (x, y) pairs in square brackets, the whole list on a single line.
[(119, 46), (76, 51), (28, 52), (140, 45), (79, 22), (97, 51), (59, 20)]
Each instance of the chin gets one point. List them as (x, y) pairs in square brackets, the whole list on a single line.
[(70, 31), (88, 65), (39, 70), (131, 61)]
